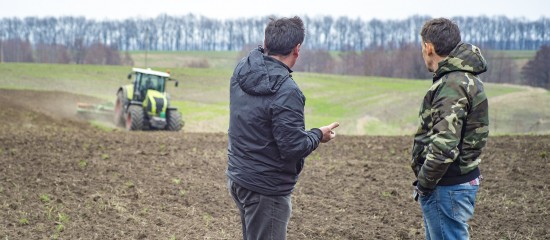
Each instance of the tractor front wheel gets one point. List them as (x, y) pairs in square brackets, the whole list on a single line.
[(174, 120), (134, 119)]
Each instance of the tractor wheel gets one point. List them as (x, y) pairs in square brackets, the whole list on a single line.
[(119, 110), (174, 120), (134, 118)]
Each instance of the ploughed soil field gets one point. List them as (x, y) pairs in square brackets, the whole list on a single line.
[(63, 178)]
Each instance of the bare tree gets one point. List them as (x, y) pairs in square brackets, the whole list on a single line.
[(127, 60), (378, 62), (78, 51), (351, 63), (537, 71), (501, 69), (101, 54), (17, 50), (315, 61), (403, 62), (1, 50), (51, 53)]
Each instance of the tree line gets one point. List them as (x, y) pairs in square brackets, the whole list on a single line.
[(407, 62), (199, 33), (17, 50), (375, 48)]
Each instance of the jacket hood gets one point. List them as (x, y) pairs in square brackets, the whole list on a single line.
[(466, 58), (258, 74)]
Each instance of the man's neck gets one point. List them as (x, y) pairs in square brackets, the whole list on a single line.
[(436, 60), (287, 60)]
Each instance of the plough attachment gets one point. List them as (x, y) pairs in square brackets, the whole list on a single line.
[(95, 111)]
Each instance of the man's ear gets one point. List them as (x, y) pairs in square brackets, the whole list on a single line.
[(430, 48), (296, 50)]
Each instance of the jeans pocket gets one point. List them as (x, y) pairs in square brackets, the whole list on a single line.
[(462, 203), (245, 196)]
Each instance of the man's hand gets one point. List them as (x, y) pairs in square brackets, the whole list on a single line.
[(415, 193), (328, 134), (419, 191)]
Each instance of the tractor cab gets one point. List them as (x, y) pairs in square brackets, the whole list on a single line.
[(147, 79)]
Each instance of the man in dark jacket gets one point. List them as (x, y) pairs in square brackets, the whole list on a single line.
[(267, 138), (454, 126)]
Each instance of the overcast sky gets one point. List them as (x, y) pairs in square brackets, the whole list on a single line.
[(231, 9)]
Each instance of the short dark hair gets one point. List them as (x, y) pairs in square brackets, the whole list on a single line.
[(442, 33), (283, 34)]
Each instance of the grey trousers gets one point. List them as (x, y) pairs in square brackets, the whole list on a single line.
[(262, 216)]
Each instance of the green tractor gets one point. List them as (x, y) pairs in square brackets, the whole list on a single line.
[(144, 104)]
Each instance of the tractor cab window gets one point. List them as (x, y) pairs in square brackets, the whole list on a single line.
[(152, 82), (138, 93)]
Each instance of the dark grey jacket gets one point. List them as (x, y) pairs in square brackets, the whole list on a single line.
[(267, 138)]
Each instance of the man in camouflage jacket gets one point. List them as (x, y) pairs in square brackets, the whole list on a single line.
[(454, 126)]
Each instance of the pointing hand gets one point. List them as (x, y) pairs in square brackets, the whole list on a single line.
[(328, 133)]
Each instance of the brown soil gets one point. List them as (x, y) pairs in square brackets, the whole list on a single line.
[(63, 178)]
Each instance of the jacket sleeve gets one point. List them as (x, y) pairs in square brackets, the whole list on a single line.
[(293, 141), (449, 109)]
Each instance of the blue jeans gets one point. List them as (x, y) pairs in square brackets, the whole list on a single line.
[(447, 210), (262, 216)]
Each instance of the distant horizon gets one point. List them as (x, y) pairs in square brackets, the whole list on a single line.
[(256, 17), (366, 10), (196, 33)]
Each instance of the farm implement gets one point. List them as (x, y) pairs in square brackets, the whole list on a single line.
[(95, 111)]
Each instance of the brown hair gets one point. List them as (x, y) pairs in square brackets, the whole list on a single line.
[(442, 33), (283, 34)]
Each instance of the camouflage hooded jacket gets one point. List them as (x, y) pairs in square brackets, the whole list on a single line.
[(454, 122)]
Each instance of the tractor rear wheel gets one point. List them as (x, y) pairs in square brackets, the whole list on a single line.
[(119, 110), (135, 118), (174, 120)]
